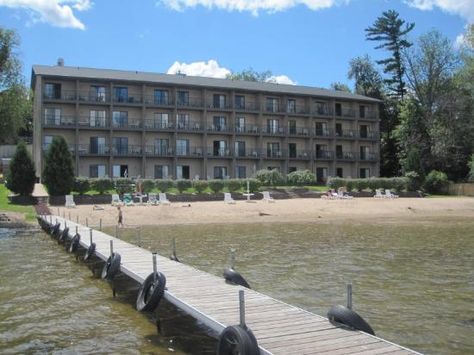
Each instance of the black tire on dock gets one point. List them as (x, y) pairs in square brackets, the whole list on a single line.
[(89, 252), (237, 340), (55, 230), (234, 277), (342, 315), (74, 243), (151, 292), (174, 258), (111, 267), (63, 236)]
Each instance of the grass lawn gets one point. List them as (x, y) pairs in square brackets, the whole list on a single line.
[(5, 205)]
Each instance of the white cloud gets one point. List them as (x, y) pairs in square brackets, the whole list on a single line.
[(281, 79), (58, 13), (211, 69), (253, 6), (463, 8)]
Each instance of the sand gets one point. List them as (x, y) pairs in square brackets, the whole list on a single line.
[(358, 210)]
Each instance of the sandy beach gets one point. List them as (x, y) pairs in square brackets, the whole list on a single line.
[(366, 210)]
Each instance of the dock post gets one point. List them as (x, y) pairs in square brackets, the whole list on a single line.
[(87, 222), (90, 236), (349, 295), (242, 309), (59, 214), (69, 216), (111, 247), (116, 231), (76, 229), (174, 246), (154, 268), (100, 224), (232, 258), (140, 236), (77, 219)]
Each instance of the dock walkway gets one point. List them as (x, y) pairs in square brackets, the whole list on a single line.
[(278, 327)]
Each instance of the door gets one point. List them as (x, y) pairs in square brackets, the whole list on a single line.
[(219, 148), (292, 150), (240, 149), (363, 131), (339, 152), (321, 175), (182, 172), (292, 127)]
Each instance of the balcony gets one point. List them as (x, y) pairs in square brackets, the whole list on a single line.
[(297, 110), (369, 135), (299, 155), (132, 124), (93, 150), (63, 95), (130, 150), (248, 153), (322, 111), (189, 126), (273, 154), (346, 133), (219, 153), (158, 125), (323, 155), (345, 112), (191, 102), (158, 151), (371, 157), (250, 129), (219, 128), (131, 99), (159, 102), (94, 97), (217, 106), (323, 132), (273, 131), (345, 156), (247, 106), (95, 123), (368, 115), (298, 131), (61, 121)]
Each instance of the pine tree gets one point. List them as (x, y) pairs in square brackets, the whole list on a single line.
[(58, 173), (21, 177), (390, 30)]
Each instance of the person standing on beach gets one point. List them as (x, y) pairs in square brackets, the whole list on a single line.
[(120, 217)]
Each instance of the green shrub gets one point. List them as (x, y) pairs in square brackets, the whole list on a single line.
[(58, 173), (81, 185), (436, 182), (102, 185), (350, 185), (216, 185), (374, 183), (183, 185), (21, 176), (164, 185), (147, 185), (269, 177), (200, 185), (470, 176), (336, 182), (233, 184), (413, 181), (300, 178), (399, 183), (254, 185), (362, 184), (124, 185)]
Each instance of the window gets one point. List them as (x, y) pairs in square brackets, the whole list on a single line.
[(161, 171), (121, 94), (271, 104), (363, 131), (47, 140), (240, 149), (182, 172), (183, 98), (52, 91), (97, 145), (239, 102), (120, 145), (291, 106), (339, 154), (240, 124), (292, 169), (339, 172), (120, 171), (338, 108), (97, 118), (52, 116), (321, 175), (182, 146), (364, 173), (322, 151), (220, 172), (272, 126), (161, 120), (120, 118), (322, 129), (219, 101), (364, 153), (321, 108), (240, 172), (161, 97), (292, 127), (97, 171), (161, 146), (362, 111), (182, 121), (338, 130), (219, 148), (273, 150), (97, 93), (220, 123), (292, 150)]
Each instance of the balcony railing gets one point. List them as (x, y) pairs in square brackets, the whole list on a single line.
[(322, 111), (127, 150), (323, 154), (219, 106), (369, 135), (93, 122), (276, 131), (61, 121), (251, 153), (128, 99), (369, 114), (95, 97), (297, 110), (247, 106), (219, 128), (189, 126), (323, 132), (247, 129), (368, 156), (299, 155), (298, 131), (190, 102), (345, 156), (66, 95), (157, 124), (88, 149), (158, 151), (156, 101), (128, 124), (220, 152), (345, 133), (345, 112), (274, 154)]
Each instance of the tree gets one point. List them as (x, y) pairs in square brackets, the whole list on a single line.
[(10, 66), (22, 174), (470, 176), (337, 86), (368, 81), (392, 31), (58, 173), (250, 75)]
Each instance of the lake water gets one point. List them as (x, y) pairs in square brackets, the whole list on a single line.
[(414, 283)]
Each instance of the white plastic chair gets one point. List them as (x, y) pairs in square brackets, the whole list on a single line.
[(267, 197), (70, 202), (152, 199), (163, 199), (116, 201), (228, 198), (379, 194), (389, 194)]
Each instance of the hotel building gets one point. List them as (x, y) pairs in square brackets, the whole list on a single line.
[(129, 123)]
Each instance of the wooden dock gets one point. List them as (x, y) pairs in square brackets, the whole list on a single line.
[(279, 328)]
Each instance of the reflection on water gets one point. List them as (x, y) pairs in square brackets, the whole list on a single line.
[(413, 283)]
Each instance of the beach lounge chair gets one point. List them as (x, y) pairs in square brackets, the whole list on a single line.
[(163, 199), (116, 201), (267, 197), (128, 200), (228, 198), (379, 194), (152, 199), (70, 202), (341, 195), (389, 194)]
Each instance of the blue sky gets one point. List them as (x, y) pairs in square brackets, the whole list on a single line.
[(309, 41)]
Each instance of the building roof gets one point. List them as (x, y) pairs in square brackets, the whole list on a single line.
[(185, 80)]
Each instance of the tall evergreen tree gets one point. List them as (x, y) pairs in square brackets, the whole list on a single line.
[(58, 173), (21, 177), (368, 81), (391, 31)]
